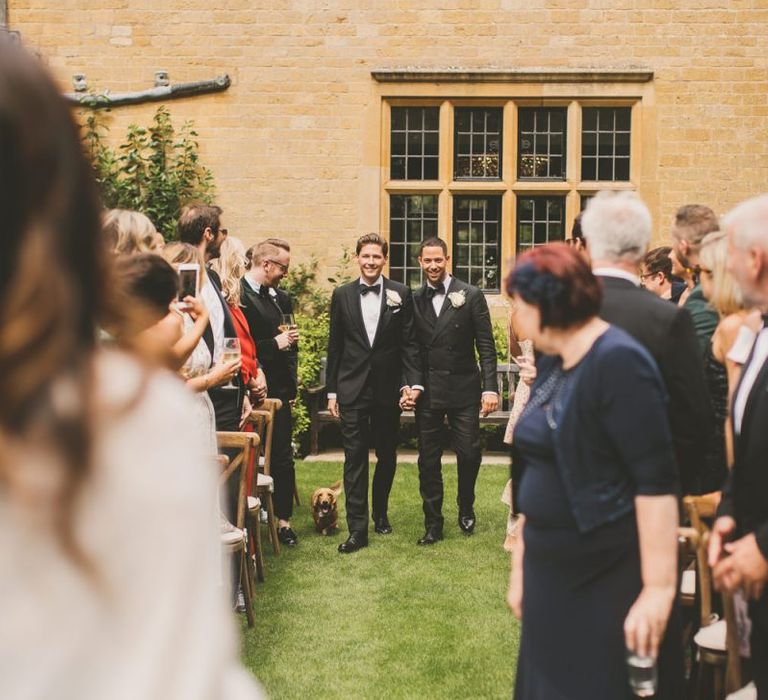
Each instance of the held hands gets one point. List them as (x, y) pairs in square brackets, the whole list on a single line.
[(488, 404), (259, 386), (285, 341), (246, 411), (647, 619), (408, 398)]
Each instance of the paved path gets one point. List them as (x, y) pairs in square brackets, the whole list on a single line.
[(408, 457)]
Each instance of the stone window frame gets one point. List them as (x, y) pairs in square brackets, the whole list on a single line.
[(510, 90)]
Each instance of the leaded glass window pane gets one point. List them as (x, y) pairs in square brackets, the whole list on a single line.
[(541, 143), (540, 220), (477, 240), (605, 143), (412, 218), (477, 143), (414, 143)]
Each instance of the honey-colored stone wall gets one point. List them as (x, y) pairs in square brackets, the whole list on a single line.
[(294, 142)]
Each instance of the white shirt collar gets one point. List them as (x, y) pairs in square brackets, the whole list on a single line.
[(619, 274), (256, 286), (446, 283), (377, 283)]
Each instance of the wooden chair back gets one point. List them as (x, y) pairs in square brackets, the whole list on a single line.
[(696, 508), (248, 447), (263, 420)]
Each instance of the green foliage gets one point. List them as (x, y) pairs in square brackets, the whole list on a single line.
[(501, 340), (343, 274), (156, 170)]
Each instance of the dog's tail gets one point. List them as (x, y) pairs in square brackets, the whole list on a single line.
[(337, 488)]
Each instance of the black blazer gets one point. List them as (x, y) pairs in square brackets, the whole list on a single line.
[(264, 316), (667, 333), (447, 345), (392, 361), (745, 493)]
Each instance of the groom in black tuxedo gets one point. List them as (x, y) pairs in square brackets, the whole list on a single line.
[(372, 356), (451, 320)]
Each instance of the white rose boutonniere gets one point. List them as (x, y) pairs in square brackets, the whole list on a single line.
[(458, 299), (394, 300)]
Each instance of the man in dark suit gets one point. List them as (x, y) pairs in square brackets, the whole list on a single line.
[(372, 355), (618, 230), (264, 307), (452, 320), (738, 548)]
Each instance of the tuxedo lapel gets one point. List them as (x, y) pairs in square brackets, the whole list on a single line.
[(355, 312), (425, 307), (446, 310), (758, 388), (384, 316)]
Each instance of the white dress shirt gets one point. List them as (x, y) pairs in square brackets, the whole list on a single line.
[(216, 318), (438, 299), (759, 358), (256, 287), (370, 305)]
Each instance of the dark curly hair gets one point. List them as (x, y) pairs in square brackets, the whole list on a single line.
[(557, 280)]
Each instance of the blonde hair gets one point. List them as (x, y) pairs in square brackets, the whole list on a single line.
[(726, 296), (129, 231), (231, 265), (176, 253)]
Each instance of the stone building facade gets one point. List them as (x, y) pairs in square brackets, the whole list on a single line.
[(489, 122)]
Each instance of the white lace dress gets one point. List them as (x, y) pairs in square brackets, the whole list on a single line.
[(152, 623), (197, 364)]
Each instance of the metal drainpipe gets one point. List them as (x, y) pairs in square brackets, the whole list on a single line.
[(4, 13)]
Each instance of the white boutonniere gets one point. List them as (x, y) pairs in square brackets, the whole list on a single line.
[(458, 299), (393, 299)]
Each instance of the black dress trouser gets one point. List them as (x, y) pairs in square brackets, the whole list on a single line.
[(282, 468), (465, 430), (362, 422)]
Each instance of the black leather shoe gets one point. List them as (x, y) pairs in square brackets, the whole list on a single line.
[(467, 521), (353, 543), (287, 536), (431, 536), (382, 526)]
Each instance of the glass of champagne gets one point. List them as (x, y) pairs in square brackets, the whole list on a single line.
[(231, 354), (287, 323)]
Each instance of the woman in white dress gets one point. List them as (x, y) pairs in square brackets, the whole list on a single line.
[(108, 573)]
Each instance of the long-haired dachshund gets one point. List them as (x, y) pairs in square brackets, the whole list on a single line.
[(325, 509)]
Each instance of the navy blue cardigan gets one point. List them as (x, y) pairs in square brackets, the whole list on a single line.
[(612, 439)]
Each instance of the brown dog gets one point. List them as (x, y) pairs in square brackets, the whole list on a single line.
[(324, 508)]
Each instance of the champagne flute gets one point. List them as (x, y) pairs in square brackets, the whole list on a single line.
[(231, 354), (287, 323)]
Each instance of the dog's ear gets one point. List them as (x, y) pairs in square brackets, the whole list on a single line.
[(315, 499)]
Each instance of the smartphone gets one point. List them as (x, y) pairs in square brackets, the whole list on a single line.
[(189, 280)]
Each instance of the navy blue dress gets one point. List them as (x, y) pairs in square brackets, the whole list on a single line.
[(578, 587)]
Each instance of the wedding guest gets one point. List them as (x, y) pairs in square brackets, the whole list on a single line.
[(130, 232), (656, 275), (595, 568), (266, 308), (724, 296), (738, 548), (617, 227), (109, 575), (692, 223), (231, 266), (522, 351)]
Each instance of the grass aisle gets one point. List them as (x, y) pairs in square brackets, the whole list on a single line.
[(394, 620)]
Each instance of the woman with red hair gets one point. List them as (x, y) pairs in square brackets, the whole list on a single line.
[(594, 573)]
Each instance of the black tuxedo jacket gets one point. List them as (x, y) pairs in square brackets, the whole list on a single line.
[(667, 333), (393, 359), (264, 315), (447, 345), (745, 494)]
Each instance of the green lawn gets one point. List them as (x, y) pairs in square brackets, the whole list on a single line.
[(393, 620)]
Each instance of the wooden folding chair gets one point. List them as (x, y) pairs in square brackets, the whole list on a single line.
[(262, 419), (247, 445), (717, 639)]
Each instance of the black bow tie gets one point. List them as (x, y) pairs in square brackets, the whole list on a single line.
[(364, 289), (264, 291), (432, 291)]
